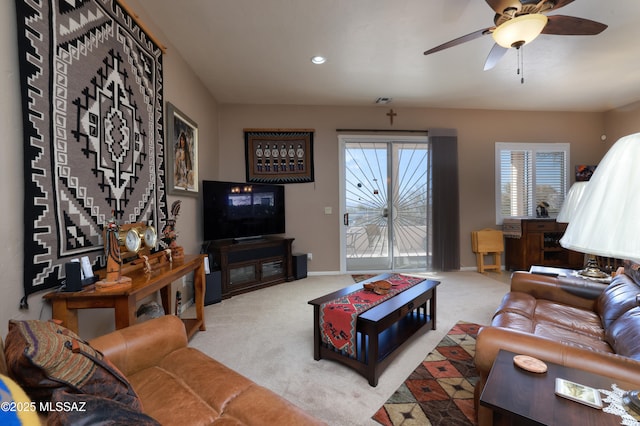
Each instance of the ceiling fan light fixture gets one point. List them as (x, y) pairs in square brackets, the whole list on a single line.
[(520, 30)]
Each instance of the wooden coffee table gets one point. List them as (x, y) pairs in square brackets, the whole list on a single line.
[(521, 398), (381, 330)]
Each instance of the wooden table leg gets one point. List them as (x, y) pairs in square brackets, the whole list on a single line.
[(125, 312), (316, 333), (432, 309), (165, 298), (372, 358), (69, 317), (199, 280)]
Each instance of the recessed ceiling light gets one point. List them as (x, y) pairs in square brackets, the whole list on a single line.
[(318, 60)]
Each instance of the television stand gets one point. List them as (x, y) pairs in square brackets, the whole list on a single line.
[(243, 240), (252, 264)]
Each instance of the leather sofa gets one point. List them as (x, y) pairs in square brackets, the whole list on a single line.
[(567, 321), (179, 385)]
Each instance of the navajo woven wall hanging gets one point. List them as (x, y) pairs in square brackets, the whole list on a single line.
[(92, 103)]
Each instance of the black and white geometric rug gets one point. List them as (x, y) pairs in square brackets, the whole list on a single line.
[(92, 103)]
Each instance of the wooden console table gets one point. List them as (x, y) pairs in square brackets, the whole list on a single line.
[(66, 304)]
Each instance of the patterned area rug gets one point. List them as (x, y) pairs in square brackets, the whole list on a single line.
[(440, 389), (361, 277)]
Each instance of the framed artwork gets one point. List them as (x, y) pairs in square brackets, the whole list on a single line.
[(279, 155), (182, 153), (584, 172)]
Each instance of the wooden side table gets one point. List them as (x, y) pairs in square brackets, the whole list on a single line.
[(66, 304), (521, 398)]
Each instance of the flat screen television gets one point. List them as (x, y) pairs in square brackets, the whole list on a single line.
[(234, 210)]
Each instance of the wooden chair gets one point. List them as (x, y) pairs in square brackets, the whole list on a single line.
[(487, 242)]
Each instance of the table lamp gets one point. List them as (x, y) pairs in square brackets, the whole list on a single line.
[(567, 212), (606, 221)]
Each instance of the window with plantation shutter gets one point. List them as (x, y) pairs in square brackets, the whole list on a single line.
[(528, 174)]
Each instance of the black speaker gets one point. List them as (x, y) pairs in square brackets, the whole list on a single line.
[(299, 265), (72, 276), (213, 294)]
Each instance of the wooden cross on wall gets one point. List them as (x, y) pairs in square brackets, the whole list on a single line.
[(391, 114)]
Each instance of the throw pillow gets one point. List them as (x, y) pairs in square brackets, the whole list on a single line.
[(43, 356)]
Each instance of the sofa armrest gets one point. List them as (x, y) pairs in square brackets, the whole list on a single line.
[(491, 339), (142, 345), (576, 292)]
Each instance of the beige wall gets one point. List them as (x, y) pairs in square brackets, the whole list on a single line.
[(621, 122), (222, 157), (478, 130)]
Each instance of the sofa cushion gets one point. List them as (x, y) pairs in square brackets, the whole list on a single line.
[(550, 320), (163, 393), (624, 334), (43, 356), (619, 296), (572, 319), (527, 312), (549, 330)]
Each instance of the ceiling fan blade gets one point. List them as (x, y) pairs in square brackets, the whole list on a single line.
[(501, 5), (472, 36), (496, 53), (570, 25)]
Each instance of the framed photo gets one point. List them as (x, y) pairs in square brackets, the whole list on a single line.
[(279, 155), (584, 172), (182, 153), (578, 393)]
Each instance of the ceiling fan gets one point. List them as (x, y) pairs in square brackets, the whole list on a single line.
[(518, 22)]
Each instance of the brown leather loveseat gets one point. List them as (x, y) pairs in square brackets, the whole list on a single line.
[(179, 385), (567, 321)]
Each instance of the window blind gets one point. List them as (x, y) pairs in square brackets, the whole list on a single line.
[(529, 174)]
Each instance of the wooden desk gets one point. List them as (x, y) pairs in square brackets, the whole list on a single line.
[(66, 304), (518, 397)]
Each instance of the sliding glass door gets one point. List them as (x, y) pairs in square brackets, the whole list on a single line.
[(386, 203)]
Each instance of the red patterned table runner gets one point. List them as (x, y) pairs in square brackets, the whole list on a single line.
[(338, 317)]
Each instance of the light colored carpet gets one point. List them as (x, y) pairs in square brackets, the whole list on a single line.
[(267, 335)]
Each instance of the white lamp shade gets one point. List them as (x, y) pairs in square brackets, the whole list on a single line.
[(521, 29), (607, 220), (570, 204)]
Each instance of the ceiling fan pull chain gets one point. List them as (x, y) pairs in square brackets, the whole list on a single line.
[(521, 64)]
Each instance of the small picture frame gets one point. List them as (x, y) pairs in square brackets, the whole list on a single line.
[(182, 153), (579, 393)]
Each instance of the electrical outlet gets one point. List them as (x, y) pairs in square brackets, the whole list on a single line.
[(309, 256)]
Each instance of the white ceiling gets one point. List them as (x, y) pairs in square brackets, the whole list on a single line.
[(258, 52)]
